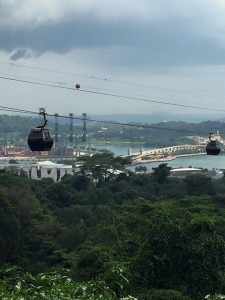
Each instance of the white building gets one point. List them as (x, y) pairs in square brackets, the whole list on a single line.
[(48, 169), (183, 172)]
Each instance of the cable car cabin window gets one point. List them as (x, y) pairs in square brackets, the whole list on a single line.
[(47, 135)]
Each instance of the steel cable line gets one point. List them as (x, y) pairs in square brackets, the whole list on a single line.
[(48, 70), (17, 110), (32, 78), (60, 83), (4, 108), (112, 95), (113, 80), (130, 124)]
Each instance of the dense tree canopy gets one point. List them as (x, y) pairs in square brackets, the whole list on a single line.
[(148, 235)]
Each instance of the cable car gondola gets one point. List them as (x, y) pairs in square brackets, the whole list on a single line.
[(212, 147), (39, 138)]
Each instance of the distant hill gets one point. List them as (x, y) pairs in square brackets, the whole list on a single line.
[(162, 133), (159, 117)]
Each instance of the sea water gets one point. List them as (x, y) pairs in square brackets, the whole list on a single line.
[(199, 161)]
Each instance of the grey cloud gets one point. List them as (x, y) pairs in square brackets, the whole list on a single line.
[(20, 53), (162, 43)]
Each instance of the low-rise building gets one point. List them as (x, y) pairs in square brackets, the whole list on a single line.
[(39, 170), (183, 172), (48, 169)]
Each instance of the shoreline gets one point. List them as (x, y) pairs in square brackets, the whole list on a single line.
[(139, 161)]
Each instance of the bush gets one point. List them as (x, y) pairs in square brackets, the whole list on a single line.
[(163, 295)]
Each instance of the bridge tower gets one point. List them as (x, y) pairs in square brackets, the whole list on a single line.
[(84, 136), (71, 130), (129, 151), (56, 131)]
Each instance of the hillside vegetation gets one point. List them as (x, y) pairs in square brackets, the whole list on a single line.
[(145, 235), (16, 129)]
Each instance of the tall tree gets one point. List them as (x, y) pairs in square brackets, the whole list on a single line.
[(161, 173)]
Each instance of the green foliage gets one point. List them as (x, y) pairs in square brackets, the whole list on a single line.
[(215, 297), (51, 286), (90, 262), (161, 173), (206, 261), (77, 182), (9, 231), (141, 234), (58, 194), (155, 294), (100, 167), (199, 185), (141, 169)]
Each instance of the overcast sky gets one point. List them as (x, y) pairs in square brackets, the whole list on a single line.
[(157, 52)]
